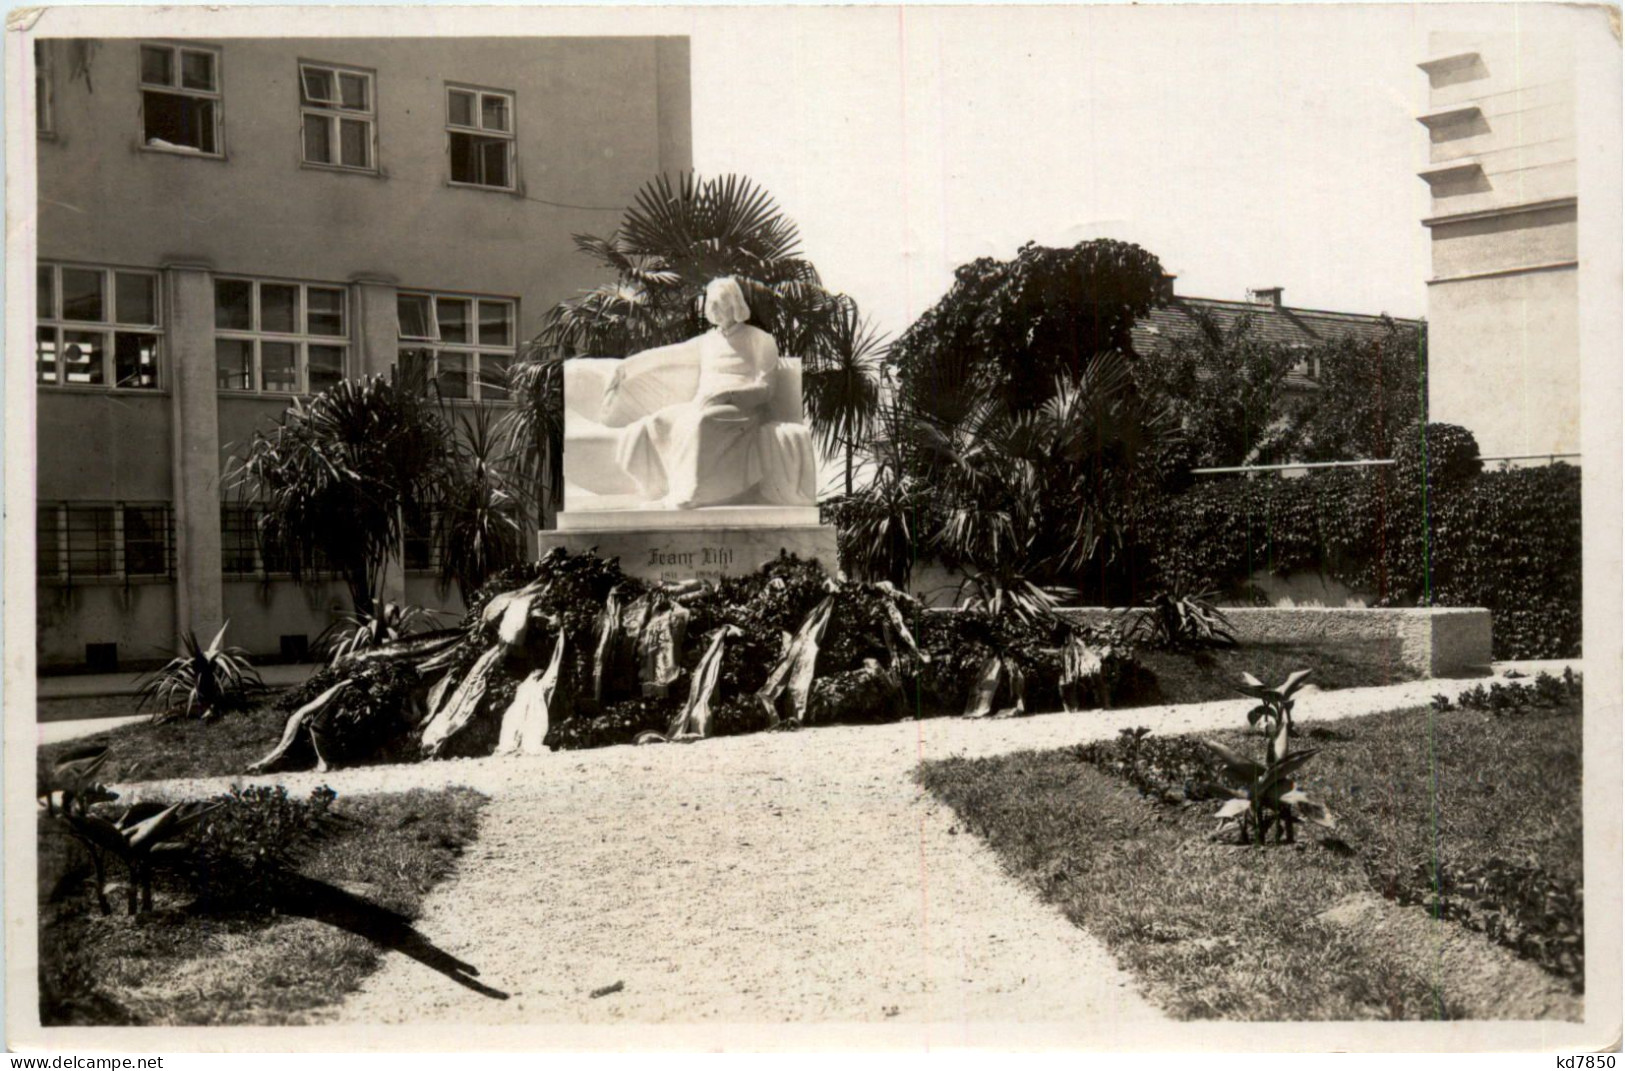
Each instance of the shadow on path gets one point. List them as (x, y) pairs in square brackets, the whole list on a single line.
[(385, 928)]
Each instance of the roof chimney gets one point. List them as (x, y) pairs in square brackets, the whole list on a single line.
[(1167, 287), (1270, 295)]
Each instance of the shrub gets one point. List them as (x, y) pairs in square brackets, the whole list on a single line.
[(620, 724), (1508, 541), (253, 837), (1538, 915), (1169, 769)]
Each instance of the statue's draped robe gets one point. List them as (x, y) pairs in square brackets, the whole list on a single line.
[(720, 444)]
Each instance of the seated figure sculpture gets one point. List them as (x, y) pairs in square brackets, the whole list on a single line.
[(711, 421)]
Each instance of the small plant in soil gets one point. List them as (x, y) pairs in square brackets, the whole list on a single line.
[(1264, 795)]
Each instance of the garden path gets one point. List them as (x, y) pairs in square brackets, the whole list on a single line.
[(774, 878)]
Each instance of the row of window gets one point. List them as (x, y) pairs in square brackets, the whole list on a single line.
[(182, 102), (77, 541), (102, 327)]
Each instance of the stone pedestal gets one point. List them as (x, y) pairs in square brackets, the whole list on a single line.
[(704, 544)]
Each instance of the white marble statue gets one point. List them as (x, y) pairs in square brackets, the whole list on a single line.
[(711, 421)]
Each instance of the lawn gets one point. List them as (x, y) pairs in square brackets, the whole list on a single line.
[(1337, 926), (185, 747), (273, 962)]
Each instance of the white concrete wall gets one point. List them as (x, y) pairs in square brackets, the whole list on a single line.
[(1503, 310)]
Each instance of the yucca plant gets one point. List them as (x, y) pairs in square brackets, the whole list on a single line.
[(201, 682), (353, 633), (1264, 794), (1179, 621)]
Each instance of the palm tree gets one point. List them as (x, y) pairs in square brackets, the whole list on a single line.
[(841, 385), (1025, 502), (676, 237)]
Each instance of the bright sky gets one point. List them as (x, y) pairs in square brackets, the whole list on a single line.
[(1245, 147)]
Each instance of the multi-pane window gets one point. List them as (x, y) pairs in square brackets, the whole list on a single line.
[(338, 116), (97, 327), (242, 553), (278, 337), (108, 540), (44, 117), (462, 345), (479, 123), (180, 98)]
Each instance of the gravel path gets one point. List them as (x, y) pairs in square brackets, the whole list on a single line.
[(779, 877)]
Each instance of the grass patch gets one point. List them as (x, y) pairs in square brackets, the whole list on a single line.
[(1201, 676), (185, 747), (1214, 930), (185, 965)]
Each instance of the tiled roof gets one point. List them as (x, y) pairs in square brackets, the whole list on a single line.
[(1284, 325)]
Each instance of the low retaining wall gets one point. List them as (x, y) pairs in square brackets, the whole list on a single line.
[(1433, 642)]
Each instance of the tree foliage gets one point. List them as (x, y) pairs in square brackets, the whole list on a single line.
[(1010, 327), (1229, 390), (1235, 397)]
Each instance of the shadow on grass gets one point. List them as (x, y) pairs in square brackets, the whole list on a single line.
[(389, 930)]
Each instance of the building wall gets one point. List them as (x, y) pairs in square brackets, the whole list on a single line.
[(589, 124), (593, 118), (140, 618), (1503, 309)]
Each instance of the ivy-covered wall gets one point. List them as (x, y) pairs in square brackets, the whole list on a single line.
[(1430, 530)]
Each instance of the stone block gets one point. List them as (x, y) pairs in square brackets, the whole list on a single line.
[(704, 551)]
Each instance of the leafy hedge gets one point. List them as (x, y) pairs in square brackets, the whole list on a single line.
[(1431, 530)]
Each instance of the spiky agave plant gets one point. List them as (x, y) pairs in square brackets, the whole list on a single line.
[(202, 682), (1264, 794)]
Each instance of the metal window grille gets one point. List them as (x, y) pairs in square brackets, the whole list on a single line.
[(104, 541)]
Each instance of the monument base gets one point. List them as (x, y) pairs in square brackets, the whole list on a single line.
[(700, 547)]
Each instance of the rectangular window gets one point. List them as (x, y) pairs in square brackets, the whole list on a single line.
[(338, 116), (242, 552), (456, 345), (480, 132), (180, 99), (98, 327), (104, 540), (44, 84), (279, 337)]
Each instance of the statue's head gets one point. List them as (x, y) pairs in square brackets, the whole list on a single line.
[(725, 302)]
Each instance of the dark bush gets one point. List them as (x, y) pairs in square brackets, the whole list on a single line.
[(254, 835), (862, 695), (1446, 453)]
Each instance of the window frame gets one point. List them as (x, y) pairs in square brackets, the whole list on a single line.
[(119, 544), (301, 340), (336, 113), (480, 130), (109, 327), (216, 95), (474, 350)]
